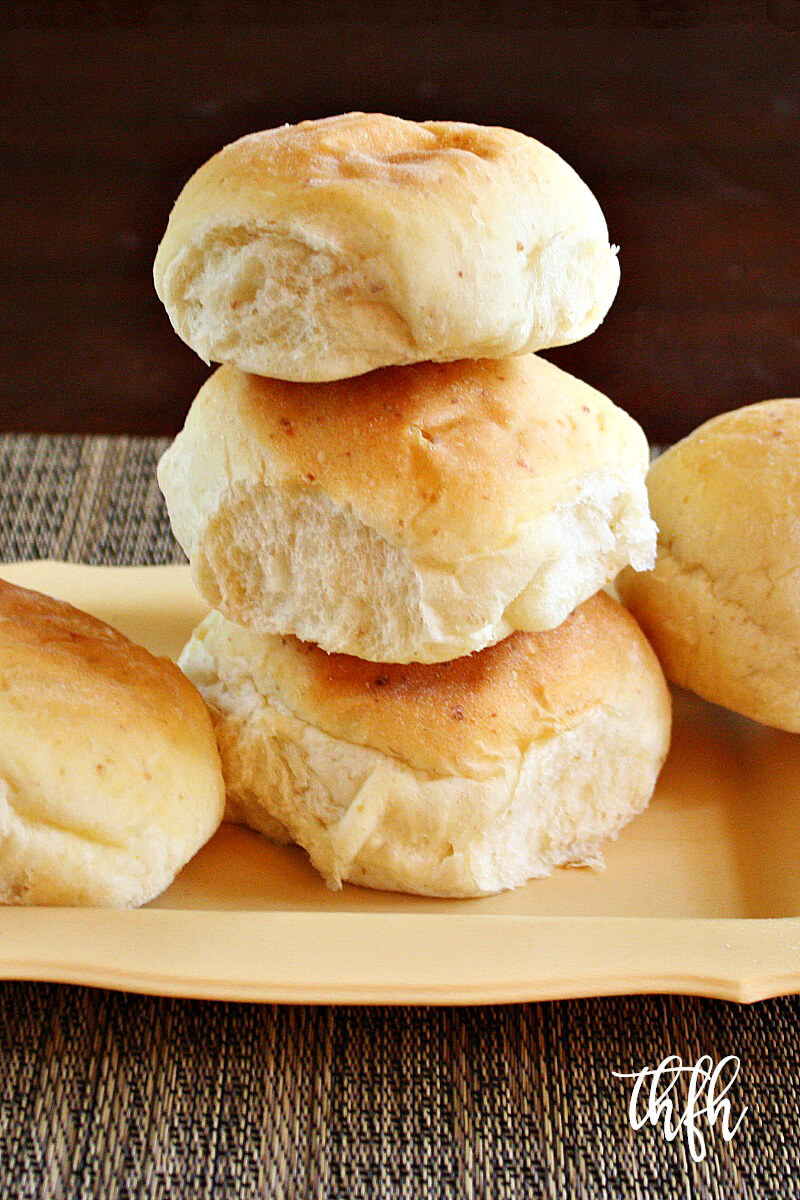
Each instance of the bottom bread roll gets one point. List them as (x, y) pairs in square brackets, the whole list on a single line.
[(460, 778), (109, 775)]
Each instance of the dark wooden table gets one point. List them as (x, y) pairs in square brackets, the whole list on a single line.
[(683, 115)]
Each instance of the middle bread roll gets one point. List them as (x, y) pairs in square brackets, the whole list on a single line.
[(416, 513)]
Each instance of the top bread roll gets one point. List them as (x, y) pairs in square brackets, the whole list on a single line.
[(412, 514), (722, 606), (110, 778), (323, 250)]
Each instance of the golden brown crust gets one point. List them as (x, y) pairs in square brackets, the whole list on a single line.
[(722, 605), (55, 656), (481, 707), (419, 451), (328, 150), (353, 146)]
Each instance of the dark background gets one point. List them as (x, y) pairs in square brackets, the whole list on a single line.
[(682, 115)]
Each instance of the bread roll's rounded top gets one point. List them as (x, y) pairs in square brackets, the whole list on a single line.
[(722, 605), (380, 150), (461, 717), (329, 248), (110, 778), (738, 462), (447, 460), (53, 654)]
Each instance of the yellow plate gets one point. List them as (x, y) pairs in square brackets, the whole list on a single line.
[(700, 895)]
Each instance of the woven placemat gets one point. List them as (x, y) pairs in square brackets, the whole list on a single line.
[(118, 1096)]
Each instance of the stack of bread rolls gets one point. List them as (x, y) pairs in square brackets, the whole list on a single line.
[(402, 518)]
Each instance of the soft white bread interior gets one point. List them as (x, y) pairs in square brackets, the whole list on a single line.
[(412, 514), (110, 778), (455, 779), (722, 605), (326, 249)]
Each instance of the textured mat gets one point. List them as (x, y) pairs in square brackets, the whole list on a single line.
[(106, 1095)]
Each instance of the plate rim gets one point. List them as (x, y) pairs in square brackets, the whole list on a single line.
[(276, 957)]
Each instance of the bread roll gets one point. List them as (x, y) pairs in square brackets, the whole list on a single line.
[(109, 774), (457, 779), (327, 249), (413, 514), (722, 606)]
